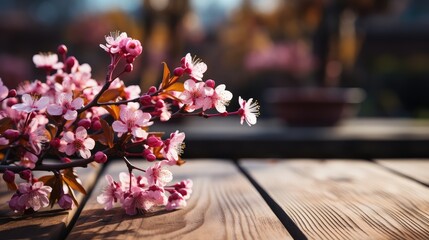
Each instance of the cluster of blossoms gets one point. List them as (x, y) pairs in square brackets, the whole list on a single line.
[(77, 120)]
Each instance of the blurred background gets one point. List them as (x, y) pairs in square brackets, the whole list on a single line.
[(379, 46)]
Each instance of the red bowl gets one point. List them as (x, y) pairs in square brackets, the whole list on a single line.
[(313, 106)]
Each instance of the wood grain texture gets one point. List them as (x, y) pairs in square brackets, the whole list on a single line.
[(414, 168), (46, 223), (337, 199), (223, 205)]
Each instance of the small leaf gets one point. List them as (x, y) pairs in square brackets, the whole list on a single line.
[(72, 180), (56, 183), (52, 129), (113, 110), (177, 86), (73, 196), (109, 95), (5, 123), (108, 132), (12, 186), (165, 76)]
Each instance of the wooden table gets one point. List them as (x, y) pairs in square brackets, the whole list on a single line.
[(257, 199)]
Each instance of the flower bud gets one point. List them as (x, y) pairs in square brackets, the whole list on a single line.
[(151, 90), (65, 201), (145, 100), (66, 160), (55, 143), (9, 176), (70, 62), (178, 71), (148, 154), (11, 134), (153, 141), (12, 93), (25, 174), (134, 47), (96, 125), (11, 101), (128, 67), (210, 83), (100, 157), (62, 49), (130, 59), (159, 104), (86, 123)]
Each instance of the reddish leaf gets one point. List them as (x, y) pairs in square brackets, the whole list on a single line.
[(52, 129), (110, 95), (113, 110), (108, 132), (71, 179), (56, 183), (177, 86), (73, 196), (5, 123), (165, 76), (12, 186)]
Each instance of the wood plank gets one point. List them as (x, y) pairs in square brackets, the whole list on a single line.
[(223, 205), (47, 223), (345, 199), (414, 168)]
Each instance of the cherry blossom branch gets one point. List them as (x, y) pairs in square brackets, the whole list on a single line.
[(49, 166)]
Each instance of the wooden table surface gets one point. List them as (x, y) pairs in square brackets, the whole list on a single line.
[(255, 199)]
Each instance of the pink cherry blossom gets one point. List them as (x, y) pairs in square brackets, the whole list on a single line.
[(34, 196), (66, 105), (111, 194), (79, 142), (14, 203), (3, 141), (249, 111), (31, 103), (28, 160), (173, 147), (221, 98), (132, 120), (113, 40), (4, 91), (175, 201), (194, 67), (135, 200), (184, 188), (156, 175), (196, 95), (47, 61)]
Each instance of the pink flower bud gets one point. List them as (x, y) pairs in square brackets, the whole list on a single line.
[(55, 143), (100, 157), (146, 100), (25, 174), (151, 90), (159, 104), (96, 125), (11, 134), (86, 123), (153, 141), (178, 71), (134, 47), (12, 93), (210, 83), (128, 67), (65, 201), (9, 176), (130, 59), (70, 62), (62, 49), (66, 160), (148, 154), (11, 101)]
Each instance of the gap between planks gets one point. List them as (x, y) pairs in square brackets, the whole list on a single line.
[(345, 199)]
